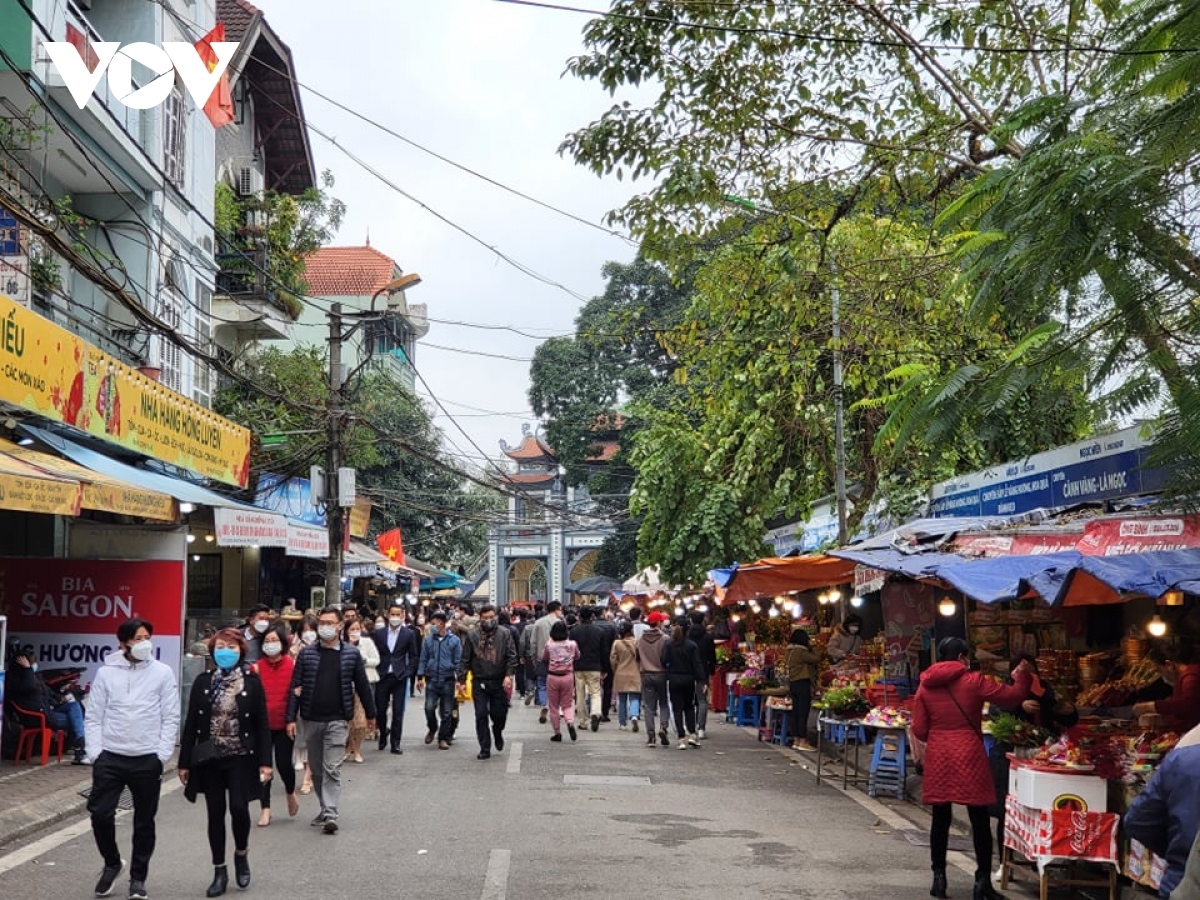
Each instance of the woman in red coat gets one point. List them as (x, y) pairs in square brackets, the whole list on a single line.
[(947, 715)]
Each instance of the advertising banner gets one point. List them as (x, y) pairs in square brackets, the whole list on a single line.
[(30, 489), (309, 542), (247, 528), (58, 375), (69, 609), (291, 497), (360, 518)]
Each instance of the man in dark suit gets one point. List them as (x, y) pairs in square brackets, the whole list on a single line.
[(397, 660)]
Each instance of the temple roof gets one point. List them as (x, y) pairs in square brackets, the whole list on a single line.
[(530, 478), (348, 271), (531, 448)]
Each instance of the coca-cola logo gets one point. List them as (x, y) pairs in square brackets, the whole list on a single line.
[(1080, 833)]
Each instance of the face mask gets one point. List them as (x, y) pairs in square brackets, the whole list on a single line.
[(261, 626), (853, 629), (395, 621), (33, 668), (142, 650), (308, 637), (489, 624), (226, 657), (354, 636), (327, 632), (421, 622), (272, 649)]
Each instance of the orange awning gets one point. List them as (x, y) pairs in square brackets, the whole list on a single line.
[(768, 577)]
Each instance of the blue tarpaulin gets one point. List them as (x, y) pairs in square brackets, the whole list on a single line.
[(1009, 577), (1152, 574), (914, 565)]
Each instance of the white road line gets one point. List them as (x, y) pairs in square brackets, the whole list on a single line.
[(514, 759), (67, 833), (495, 882)]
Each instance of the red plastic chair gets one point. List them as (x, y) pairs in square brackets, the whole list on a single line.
[(30, 733)]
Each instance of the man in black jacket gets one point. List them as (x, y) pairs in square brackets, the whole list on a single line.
[(398, 652), (328, 674), (594, 648), (490, 655), (704, 642)]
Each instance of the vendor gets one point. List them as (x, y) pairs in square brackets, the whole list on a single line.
[(846, 639), (1180, 669)]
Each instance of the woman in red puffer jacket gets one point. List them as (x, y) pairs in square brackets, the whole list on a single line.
[(275, 671), (947, 715)]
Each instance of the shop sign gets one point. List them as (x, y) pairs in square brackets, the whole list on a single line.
[(69, 609), (58, 375), (247, 528), (360, 518), (1113, 537), (23, 487), (868, 579), (291, 497), (1099, 469), (1017, 544), (312, 543)]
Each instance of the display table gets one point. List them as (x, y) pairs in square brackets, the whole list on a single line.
[(844, 733), (1060, 836)]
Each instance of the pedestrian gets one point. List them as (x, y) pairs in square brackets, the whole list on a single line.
[(801, 662), (357, 732), (627, 680), (704, 642), (489, 655), (130, 729), (604, 621), (437, 669), (327, 677), (593, 658), (559, 657), (947, 716), (1178, 666), (257, 624), (419, 627), (275, 670), (518, 623), (306, 636), (649, 649), (225, 752), (685, 671), (639, 626), (537, 646), (397, 648)]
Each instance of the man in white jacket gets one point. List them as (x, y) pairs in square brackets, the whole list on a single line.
[(130, 728)]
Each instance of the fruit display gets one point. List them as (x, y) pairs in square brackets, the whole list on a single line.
[(888, 717), (1063, 752)]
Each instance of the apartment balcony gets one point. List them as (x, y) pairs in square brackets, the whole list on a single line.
[(394, 363), (246, 301)]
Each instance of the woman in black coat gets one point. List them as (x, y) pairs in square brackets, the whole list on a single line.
[(685, 675), (225, 752)]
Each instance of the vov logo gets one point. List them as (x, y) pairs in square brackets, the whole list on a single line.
[(199, 76)]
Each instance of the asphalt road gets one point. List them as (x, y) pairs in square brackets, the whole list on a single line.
[(604, 817)]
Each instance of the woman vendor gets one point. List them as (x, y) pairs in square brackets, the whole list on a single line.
[(1180, 669), (846, 639)]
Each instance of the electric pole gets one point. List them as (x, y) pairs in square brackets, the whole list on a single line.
[(333, 510)]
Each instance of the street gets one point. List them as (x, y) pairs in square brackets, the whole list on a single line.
[(604, 817)]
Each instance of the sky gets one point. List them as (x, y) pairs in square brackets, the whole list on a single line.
[(480, 82)]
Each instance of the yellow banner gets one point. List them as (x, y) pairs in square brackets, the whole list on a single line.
[(22, 487), (101, 491), (58, 375), (360, 517)]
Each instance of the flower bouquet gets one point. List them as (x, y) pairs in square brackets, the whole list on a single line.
[(1008, 729), (846, 702)]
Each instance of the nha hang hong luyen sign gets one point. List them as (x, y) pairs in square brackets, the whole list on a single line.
[(58, 375)]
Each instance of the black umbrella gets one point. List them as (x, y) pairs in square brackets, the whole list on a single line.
[(596, 584)]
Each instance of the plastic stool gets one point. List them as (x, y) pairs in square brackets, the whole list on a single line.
[(889, 763), (780, 732), (749, 708)]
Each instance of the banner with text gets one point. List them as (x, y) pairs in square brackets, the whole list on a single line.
[(248, 528)]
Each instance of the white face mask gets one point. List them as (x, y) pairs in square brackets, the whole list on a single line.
[(355, 637), (142, 650), (327, 632), (274, 648), (308, 637), (395, 621), (261, 626)]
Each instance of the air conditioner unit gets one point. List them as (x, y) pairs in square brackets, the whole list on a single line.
[(249, 182)]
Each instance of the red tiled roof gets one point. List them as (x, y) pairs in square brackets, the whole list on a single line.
[(607, 450), (237, 16), (531, 448), (530, 478), (347, 271)]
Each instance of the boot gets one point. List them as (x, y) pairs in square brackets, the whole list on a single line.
[(984, 889), (241, 869), (219, 883), (939, 884)]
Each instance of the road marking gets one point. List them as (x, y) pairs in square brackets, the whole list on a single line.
[(57, 838), (495, 882), (514, 759), (608, 780)]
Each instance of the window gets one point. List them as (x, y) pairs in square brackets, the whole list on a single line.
[(175, 138), (203, 383), (172, 296)]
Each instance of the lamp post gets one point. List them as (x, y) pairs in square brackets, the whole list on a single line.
[(839, 423), (335, 517)]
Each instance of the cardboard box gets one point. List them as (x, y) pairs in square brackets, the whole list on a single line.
[(1077, 791)]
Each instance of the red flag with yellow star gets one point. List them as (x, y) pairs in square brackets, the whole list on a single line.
[(391, 545), (219, 107)]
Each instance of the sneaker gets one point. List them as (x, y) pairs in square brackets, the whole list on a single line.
[(443, 745), (633, 723), (484, 754), (693, 741), (108, 877), (330, 826), (595, 723), (137, 890), (556, 737), (529, 699), (683, 744), (545, 714), (318, 820), (651, 742), (605, 719), (663, 739), (498, 740), (571, 731), (700, 733), (804, 746), (622, 728)]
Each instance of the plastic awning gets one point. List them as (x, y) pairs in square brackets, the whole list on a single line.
[(917, 566), (1150, 574), (1010, 577), (775, 575)]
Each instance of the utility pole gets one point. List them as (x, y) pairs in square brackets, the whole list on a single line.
[(333, 511), (839, 423)]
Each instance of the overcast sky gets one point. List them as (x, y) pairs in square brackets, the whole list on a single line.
[(482, 83)]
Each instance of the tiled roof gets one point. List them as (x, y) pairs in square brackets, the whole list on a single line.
[(607, 450), (531, 448), (237, 16), (530, 478), (347, 271)]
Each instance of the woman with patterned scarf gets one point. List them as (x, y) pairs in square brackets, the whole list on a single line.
[(225, 752)]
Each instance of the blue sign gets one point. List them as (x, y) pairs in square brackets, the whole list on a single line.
[(1103, 468), (291, 497)]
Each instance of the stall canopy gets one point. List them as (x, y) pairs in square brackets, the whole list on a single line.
[(1009, 577), (771, 576), (917, 566), (1151, 574)]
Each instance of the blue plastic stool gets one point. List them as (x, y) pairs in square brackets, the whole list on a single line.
[(780, 732), (889, 763), (749, 708)]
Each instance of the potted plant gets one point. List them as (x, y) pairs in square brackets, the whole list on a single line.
[(846, 703)]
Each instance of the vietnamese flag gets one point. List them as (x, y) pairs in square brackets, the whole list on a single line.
[(391, 546), (219, 107)]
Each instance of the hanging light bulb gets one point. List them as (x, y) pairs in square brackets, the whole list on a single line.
[(797, 611), (774, 613), (835, 596), (823, 599), (789, 604), (735, 618), (780, 600), (1157, 627), (947, 607), (856, 601)]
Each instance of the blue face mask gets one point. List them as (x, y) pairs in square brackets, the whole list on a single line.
[(226, 658), (33, 667)]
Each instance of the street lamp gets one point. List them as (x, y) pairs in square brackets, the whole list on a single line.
[(412, 279), (839, 426)]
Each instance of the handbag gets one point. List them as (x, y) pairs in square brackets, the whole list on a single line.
[(204, 752)]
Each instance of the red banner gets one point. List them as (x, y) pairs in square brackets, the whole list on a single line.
[(1100, 537), (1060, 833)]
